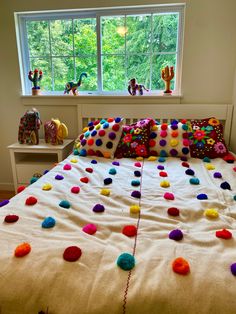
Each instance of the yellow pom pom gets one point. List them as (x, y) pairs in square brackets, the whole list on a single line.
[(74, 160), (210, 167), (211, 213), (165, 184), (77, 145), (134, 209), (105, 192), (98, 126), (152, 158), (85, 129), (47, 187), (139, 158), (174, 142), (155, 127)]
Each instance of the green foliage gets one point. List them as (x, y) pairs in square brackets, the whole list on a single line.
[(132, 46)]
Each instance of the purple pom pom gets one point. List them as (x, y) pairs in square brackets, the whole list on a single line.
[(217, 175), (225, 186), (184, 158), (112, 135), (94, 161), (160, 167), (59, 177), (190, 172), (3, 203), (173, 152), (233, 269), (136, 194), (116, 163), (176, 235), (98, 208), (137, 173), (162, 142), (107, 181)]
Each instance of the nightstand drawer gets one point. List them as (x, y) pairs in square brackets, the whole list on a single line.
[(25, 172)]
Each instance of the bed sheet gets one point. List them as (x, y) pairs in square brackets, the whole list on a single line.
[(44, 281)]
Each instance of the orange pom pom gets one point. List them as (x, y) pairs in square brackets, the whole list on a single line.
[(180, 266), (22, 249)]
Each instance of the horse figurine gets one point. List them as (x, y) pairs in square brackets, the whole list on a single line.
[(72, 87), (134, 87), (28, 128)]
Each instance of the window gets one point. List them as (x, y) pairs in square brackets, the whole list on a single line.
[(110, 45)]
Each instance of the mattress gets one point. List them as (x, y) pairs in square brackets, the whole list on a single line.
[(195, 198)]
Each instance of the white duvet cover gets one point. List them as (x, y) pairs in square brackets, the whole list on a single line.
[(94, 284)]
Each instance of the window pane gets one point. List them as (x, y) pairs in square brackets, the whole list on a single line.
[(85, 37), (113, 34), (138, 33), (61, 37), (63, 70), (38, 38), (160, 62), (165, 30), (113, 69), (139, 67), (89, 66), (44, 65)]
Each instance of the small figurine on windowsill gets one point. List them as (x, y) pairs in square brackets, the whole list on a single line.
[(134, 87), (167, 75), (71, 87), (35, 77)]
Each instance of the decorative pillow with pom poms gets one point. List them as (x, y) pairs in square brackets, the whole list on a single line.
[(100, 138)]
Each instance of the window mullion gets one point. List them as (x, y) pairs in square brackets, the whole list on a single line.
[(50, 49), (99, 54), (151, 53), (73, 43)]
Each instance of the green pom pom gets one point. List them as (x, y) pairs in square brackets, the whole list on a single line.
[(206, 159), (76, 152), (194, 181), (126, 261), (112, 171), (64, 204), (235, 197), (33, 179)]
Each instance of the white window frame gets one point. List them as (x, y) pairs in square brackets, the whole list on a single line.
[(22, 42)]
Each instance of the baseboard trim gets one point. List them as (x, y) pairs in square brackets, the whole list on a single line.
[(6, 186)]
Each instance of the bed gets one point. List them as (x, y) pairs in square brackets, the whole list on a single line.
[(89, 212)]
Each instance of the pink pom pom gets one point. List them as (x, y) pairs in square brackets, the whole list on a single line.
[(75, 189), (169, 196), (67, 167), (137, 164), (90, 229)]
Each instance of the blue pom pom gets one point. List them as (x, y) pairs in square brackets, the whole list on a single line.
[(99, 142), (64, 204), (45, 171), (48, 222), (105, 125), (225, 186), (107, 181), (83, 152), (117, 120), (76, 152), (94, 161), (126, 261), (162, 159), (33, 179), (4, 202), (202, 197), (194, 181), (102, 121), (94, 133), (185, 150), (137, 173), (90, 123), (153, 135), (206, 159), (190, 172), (163, 153), (135, 182), (86, 134)]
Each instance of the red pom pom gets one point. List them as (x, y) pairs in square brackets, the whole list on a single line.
[(115, 127), (22, 249), (101, 133), (31, 200), (180, 266), (90, 170), (185, 164), (183, 121), (234, 169), (75, 189), (110, 119), (72, 253), (163, 174), (224, 234), (152, 143), (185, 135), (164, 126), (84, 180), (11, 218), (90, 141), (129, 231), (20, 189), (173, 211), (91, 152)]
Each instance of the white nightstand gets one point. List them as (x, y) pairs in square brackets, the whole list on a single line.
[(27, 160)]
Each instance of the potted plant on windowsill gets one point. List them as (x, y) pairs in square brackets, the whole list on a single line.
[(35, 76)]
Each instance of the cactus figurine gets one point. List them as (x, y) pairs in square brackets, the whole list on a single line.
[(167, 75), (35, 77)]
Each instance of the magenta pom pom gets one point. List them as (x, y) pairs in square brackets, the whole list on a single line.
[(75, 189), (138, 164), (67, 167), (90, 229), (169, 196)]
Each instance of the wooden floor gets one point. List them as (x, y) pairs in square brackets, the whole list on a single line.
[(6, 195)]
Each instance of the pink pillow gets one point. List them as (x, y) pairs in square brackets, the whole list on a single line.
[(207, 139), (134, 140)]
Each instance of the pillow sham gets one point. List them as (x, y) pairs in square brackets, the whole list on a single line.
[(99, 138), (207, 139), (169, 139), (134, 140)]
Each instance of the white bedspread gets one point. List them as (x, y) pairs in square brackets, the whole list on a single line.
[(95, 284)]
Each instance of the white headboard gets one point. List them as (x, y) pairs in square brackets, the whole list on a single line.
[(160, 112)]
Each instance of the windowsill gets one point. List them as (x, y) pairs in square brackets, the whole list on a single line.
[(48, 100)]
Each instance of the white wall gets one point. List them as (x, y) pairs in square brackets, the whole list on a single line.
[(209, 63)]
